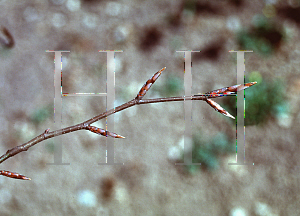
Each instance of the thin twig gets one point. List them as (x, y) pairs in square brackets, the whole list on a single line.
[(86, 125)]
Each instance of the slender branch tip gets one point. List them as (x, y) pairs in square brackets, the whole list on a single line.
[(86, 125)]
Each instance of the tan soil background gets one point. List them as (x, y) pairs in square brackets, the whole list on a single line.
[(149, 183)]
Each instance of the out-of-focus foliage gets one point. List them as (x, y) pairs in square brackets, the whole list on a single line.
[(50, 147), (264, 37), (173, 86), (41, 114), (208, 152), (261, 101)]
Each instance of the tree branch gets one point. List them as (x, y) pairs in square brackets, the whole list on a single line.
[(86, 125)]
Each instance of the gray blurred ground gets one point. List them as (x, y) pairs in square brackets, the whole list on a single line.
[(149, 33)]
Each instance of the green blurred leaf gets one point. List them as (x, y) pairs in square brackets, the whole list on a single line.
[(208, 152), (173, 86), (264, 37), (41, 114), (261, 101), (50, 147)]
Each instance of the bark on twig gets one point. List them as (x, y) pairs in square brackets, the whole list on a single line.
[(86, 125)]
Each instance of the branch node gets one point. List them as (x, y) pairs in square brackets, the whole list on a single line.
[(46, 132), (136, 101)]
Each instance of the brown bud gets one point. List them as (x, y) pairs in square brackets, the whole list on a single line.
[(13, 175), (148, 84), (229, 90), (218, 108), (103, 132)]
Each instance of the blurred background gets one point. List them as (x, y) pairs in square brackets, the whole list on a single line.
[(150, 32)]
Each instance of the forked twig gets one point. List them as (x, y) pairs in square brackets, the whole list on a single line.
[(223, 92), (86, 125)]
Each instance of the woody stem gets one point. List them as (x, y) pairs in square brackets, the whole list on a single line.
[(24, 147)]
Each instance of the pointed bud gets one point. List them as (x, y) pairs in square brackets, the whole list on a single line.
[(13, 175), (228, 90), (103, 132), (218, 108), (148, 84)]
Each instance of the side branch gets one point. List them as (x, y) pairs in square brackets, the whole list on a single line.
[(86, 125)]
